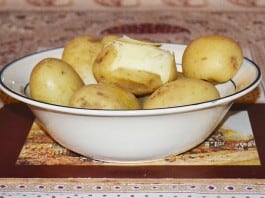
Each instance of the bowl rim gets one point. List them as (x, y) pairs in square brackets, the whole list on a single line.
[(111, 112)]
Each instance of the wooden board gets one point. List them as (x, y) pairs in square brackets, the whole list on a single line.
[(16, 121)]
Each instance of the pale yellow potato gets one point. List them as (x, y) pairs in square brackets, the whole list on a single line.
[(104, 96), (54, 81), (212, 58), (183, 91), (108, 39), (80, 53), (138, 67), (125, 38)]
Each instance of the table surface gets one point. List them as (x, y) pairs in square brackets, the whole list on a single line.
[(31, 25)]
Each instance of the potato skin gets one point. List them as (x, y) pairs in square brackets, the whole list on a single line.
[(54, 81), (213, 58), (104, 96), (80, 53), (122, 63), (183, 91)]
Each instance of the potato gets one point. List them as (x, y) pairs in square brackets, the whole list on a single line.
[(103, 96), (213, 58), (183, 91), (54, 81), (108, 39), (80, 53), (138, 67), (127, 39)]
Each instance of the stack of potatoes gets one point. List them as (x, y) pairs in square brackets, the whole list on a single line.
[(123, 73)]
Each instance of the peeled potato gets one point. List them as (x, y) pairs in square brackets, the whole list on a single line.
[(104, 96), (138, 67), (80, 53), (213, 58), (108, 39), (125, 38), (54, 81), (183, 91)]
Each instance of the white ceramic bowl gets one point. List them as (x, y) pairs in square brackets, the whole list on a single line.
[(128, 135)]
